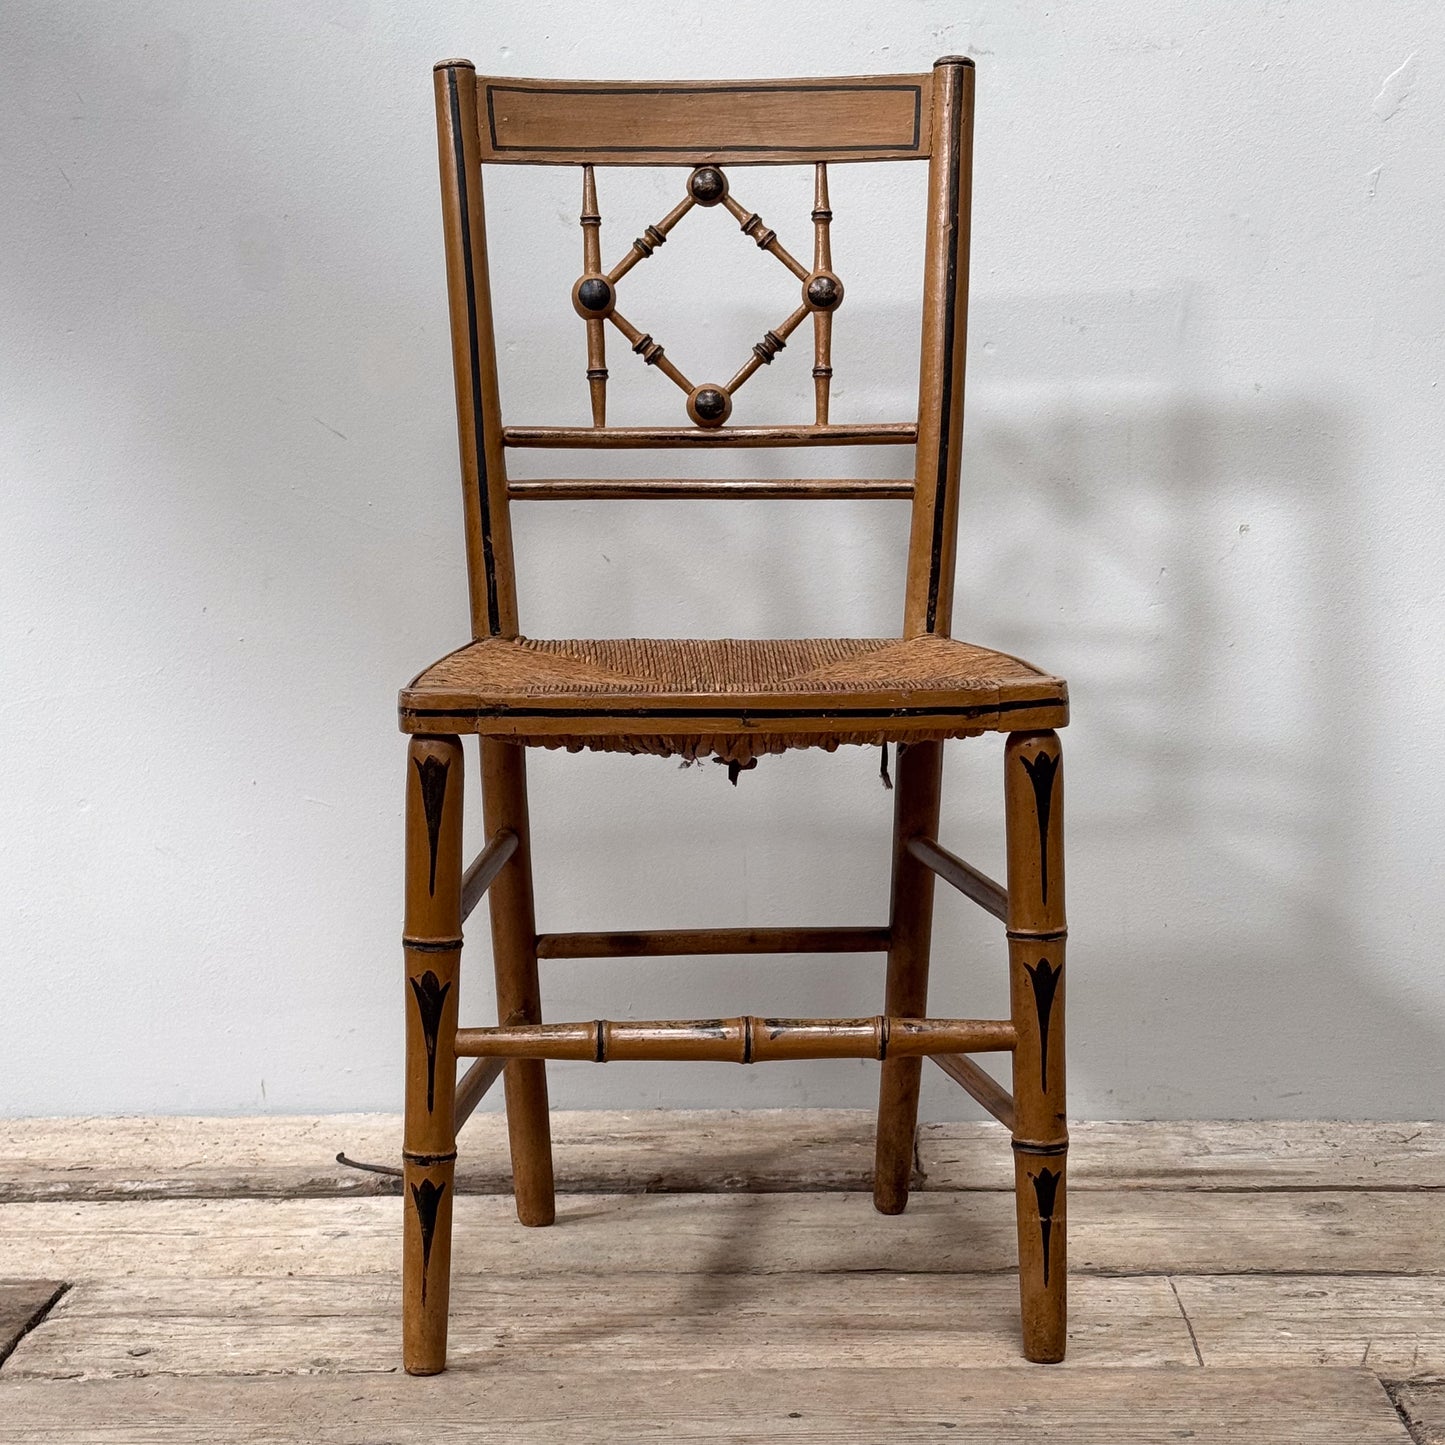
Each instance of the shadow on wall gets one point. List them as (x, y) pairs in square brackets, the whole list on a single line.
[(1185, 553), (1189, 561), (242, 450)]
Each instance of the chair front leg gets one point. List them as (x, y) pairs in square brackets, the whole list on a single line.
[(1034, 804), (915, 811), (519, 998), (432, 945)]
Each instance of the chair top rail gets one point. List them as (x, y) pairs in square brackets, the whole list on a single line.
[(735, 122)]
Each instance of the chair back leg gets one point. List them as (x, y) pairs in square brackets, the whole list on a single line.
[(915, 812), (432, 945), (1034, 810), (514, 954)]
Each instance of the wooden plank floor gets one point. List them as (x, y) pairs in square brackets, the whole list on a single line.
[(719, 1277)]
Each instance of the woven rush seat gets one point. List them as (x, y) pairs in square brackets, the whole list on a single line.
[(735, 699)]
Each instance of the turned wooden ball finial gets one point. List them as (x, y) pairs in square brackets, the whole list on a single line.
[(709, 405), (593, 297), (707, 185), (822, 291)]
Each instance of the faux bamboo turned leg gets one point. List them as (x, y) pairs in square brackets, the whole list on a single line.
[(514, 952), (432, 945), (915, 811), (1034, 800)]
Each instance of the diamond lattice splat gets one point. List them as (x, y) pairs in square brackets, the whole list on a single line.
[(594, 296)]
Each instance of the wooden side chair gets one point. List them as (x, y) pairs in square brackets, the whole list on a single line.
[(735, 700)]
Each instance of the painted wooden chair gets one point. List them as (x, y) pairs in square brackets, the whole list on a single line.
[(734, 700)]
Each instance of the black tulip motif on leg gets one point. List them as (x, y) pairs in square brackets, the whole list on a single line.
[(1046, 1189), (1045, 980), (432, 772), (431, 996), (427, 1197), (1041, 769)]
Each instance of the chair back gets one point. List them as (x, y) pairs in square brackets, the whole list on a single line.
[(711, 127)]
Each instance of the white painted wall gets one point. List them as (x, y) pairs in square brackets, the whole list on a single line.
[(1204, 481)]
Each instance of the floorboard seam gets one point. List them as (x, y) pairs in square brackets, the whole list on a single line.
[(1188, 1323), (1393, 1390), (384, 1187), (40, 1313)]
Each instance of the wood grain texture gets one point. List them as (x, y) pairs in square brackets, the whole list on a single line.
[(246, 1325), (1114, 1232), (696, 1150), (830, 1404), (601, 1150), (1205, 1154), (1287, 1290), (1391, 1324), (750, 122), (348, 1324)]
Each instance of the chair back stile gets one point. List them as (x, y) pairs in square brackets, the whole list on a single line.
[(933, 536), (491, 572), (707, 125)]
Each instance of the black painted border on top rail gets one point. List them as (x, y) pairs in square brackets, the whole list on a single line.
[(741, 89)]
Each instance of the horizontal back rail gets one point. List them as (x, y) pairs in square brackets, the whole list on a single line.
[(745, 122), (576, 489), (900, 433), (680, 942)]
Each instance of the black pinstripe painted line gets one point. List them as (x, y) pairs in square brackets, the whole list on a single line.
[(489, 566), (945, 418), (743, 716)]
